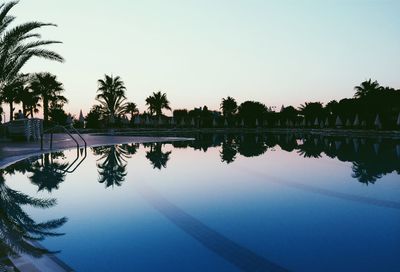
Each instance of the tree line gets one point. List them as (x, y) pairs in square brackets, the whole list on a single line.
[(372, 106)]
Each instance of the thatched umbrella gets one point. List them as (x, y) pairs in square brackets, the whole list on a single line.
[(192, 122), (356, 145), (356, 122), (348, 123), (377, 122), (377, 147), (136, 121), (214, 123), (172, 121), (147, 122), (183, 122), (316, 122), (338, 122), (398, 120), (327, 122), (338, 144)]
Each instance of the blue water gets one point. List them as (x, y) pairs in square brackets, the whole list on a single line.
[(221, 203)]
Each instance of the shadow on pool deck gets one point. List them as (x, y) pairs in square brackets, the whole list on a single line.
[(13, 151)]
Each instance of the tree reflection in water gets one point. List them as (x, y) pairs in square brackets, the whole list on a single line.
[(112, 163), (18, 231), (46, 173), (156, 156), (228, 150), (371, 158)]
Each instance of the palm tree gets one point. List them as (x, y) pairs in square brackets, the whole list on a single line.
[(19, 44), (49, 89), (111, 96), (131, 108), (366, 87), (312, 110), (228, 106), (157, 102), (9, 95)]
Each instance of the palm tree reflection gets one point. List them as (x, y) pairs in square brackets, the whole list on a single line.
[(112, 163), (47, 174), (157, 157), (228, 150), (18, 231)]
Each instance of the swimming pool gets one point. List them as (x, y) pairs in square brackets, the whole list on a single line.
[(219, 203)]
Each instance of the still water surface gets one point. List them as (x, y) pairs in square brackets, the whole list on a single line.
[(219, 203)]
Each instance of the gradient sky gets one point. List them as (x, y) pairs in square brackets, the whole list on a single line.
[(277, 52)]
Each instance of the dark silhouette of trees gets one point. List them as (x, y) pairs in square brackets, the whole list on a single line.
[(311, 111), (366, 87), (93, 118), (112, 164), (17, 229), (228, 150), (50, 90), (251, 145), (157, 157), (250, 111), (46, 173), (111, 95), (132, 109), (157, 102), (228, 106)]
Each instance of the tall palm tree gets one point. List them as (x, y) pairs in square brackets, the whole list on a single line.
[(19, 44), (157, 102), (111, 95), (49, 88), (131, 108), (366, 87), (228, 106), (9, 94)]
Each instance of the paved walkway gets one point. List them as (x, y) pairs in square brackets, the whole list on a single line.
[(13, 151)]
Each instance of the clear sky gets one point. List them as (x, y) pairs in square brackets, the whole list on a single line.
[(198, 51)]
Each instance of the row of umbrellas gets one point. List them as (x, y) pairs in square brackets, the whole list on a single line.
[(317, 122)]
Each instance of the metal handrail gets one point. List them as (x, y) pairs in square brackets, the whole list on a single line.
[(51, 136), (77, 132)]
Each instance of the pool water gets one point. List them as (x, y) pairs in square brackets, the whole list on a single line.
[(219, 203)]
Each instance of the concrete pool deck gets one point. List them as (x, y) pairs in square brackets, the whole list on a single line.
[(11, 151)]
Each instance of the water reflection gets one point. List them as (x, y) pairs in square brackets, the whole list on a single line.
[(156, 156), (18, 231), (371, 158), (112, 163)]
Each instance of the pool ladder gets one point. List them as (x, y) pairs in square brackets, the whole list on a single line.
[(67, 129)]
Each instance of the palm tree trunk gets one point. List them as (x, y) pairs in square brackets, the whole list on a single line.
[(45, 110), (11, 111)]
